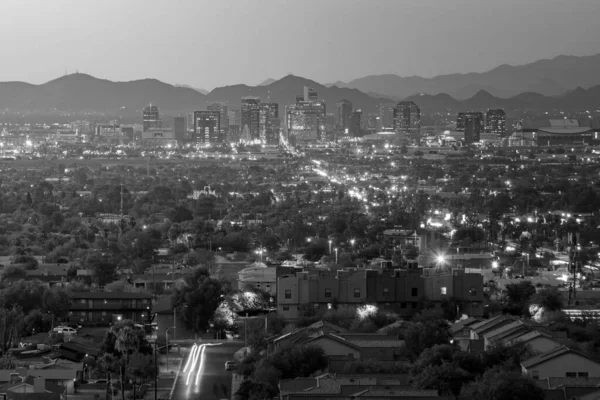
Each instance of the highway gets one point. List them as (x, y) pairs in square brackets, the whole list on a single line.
[(203, 375)]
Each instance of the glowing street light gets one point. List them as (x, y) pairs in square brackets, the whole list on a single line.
[(336, 255), (494, 264), (441, 259), (352, 241), (260, 252), (329, 246)]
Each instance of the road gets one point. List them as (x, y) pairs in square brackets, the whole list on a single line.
[(213, 381)]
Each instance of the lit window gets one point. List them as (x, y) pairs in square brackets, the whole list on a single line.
[(443, 290), (386, 291)]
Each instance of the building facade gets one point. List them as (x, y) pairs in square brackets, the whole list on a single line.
[(399, 290), (269, 123), (221, 107), (179, 129), (250, 120), (495, 121), (355, 123), (151, 118), (306, 120), (472, 124), (207, 128), (104, 308), (344, 109), (407, 119)]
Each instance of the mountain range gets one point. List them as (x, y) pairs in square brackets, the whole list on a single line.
[(81, 93), (550, 77)]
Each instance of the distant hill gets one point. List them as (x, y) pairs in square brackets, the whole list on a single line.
[(549, 77), (84, 93), (203, 91), (284, 91), (266, 82), (575, 100)]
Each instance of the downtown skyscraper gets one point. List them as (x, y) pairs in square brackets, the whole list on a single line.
[(306, 120), (495, 121), (250, 124), (151, 118), (471, 123), (269, 123), (344, 110), (221, 107), (407, 119), (207, 127)]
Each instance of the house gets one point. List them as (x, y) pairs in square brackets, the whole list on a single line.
[(103, 308), (77, 349), (277, 342), (561, 362), (460, 332), (53, 373), (260, 277), (352, 386), (32, 388)]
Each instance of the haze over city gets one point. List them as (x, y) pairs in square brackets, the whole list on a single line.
[(209, 44)]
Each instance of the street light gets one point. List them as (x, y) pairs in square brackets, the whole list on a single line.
[(329, 246), (336, 255), (167, 340)]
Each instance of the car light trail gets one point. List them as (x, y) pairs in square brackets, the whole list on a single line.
[(196, 362)]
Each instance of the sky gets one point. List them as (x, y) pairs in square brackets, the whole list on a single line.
[(212, 43)]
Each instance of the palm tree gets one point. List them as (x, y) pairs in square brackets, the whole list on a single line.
[(127, 343)]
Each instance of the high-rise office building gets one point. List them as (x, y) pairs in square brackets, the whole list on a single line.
[(221, 107), (344, 109), (472, 124), (250, 123), (207, 127), (151, 118), (495, 121), (407, 119), (386, 116), (306, 119), (179, 129), (355, 123), (269, 123)]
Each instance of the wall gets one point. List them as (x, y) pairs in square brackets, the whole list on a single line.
[(334, 348)]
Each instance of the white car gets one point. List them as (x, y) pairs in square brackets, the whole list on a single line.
[(65, 330)]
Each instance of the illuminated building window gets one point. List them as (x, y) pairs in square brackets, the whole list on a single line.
[(443, 290)]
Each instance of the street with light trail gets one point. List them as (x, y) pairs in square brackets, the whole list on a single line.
[(203, 374)]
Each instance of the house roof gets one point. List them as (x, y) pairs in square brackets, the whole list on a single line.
[(552, 354), (110, 295), (490, 324), (318, 326), (526, 337), (377, 343), (462, 324), (341, 340)]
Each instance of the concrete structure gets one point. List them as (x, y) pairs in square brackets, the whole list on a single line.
[(179, 129), (464, 289), (159, 137), (561, 362), (221, 107), (269, 123), (560, 132), (472, 124)]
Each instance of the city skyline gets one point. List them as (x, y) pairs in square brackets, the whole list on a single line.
[(521, 33)]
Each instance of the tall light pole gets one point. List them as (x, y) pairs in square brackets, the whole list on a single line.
[(336, 255), (329, 246)]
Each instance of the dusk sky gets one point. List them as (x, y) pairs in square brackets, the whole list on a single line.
[(215, 43)]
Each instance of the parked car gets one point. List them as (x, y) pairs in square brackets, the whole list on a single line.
[(230, 365), (75, 325), (65, 330)]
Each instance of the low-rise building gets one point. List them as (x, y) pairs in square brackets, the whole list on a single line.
[(103, 308), (561, 362)]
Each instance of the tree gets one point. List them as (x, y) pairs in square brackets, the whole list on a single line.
[(518, 295), (252, 390), (425, 334), (501, 385), (549, 298), (447, 379), (122, 343), (200, 296), (11, 322)]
